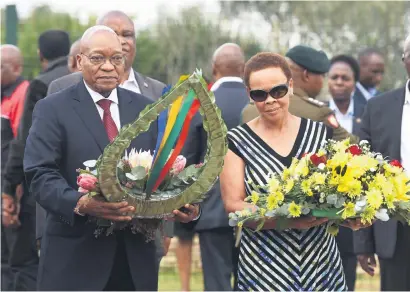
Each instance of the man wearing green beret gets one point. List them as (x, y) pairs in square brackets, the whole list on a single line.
[(309, 67)]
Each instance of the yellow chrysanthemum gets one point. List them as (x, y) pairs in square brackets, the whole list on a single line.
[(390, 169), (273, 184), (350, 186), (368, 215), (254, 197), (360, 164), (286, 174), (339, 159), (349, 210), (401, 188), (271, 202), (321, 153), (289, 185), (305, 186), (341, 146), (262, 211), (294, 210), (374, 198), (390, 199), (302, 168), (318, 178), (279, 196), (240, 224)]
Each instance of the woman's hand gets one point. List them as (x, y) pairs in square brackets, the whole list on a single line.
[(355, 224), (306, 222)]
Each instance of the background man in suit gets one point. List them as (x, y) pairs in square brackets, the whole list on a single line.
[(18, 257), (343, 75), (131, 80), (72, 126), (371, 62), (386, 125), (309, 67), (215, 235), (72, 57)]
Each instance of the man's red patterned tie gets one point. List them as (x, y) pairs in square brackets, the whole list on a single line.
[(109, 124)]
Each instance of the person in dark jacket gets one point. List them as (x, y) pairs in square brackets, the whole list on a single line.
[(53, 47)]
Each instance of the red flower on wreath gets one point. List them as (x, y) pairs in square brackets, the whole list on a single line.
[(355, 150), (396, 163), (316, 160)]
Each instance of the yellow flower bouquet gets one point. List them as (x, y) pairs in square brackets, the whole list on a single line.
[(339, 182)]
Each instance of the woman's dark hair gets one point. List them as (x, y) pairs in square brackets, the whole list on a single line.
[(263, 61), (350, 61)]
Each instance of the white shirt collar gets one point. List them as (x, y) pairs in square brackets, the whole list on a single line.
[(407, 94), (97, 97), (364, 91), (218, 83), (350, 110)]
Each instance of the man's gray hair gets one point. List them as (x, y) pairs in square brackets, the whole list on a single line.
[(96, 28)]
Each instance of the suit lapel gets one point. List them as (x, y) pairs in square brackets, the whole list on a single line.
[(86, 109), (395, 115), (143, 84), (127, 111)]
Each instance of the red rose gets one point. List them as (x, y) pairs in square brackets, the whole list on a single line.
[(396, 163), (355, 150), (316, 160)]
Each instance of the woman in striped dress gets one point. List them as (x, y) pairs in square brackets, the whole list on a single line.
[(302, 256)]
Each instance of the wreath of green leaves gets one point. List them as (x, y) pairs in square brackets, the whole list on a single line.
[(158, 207)]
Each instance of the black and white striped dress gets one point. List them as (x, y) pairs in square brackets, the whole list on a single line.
[(290, 260)]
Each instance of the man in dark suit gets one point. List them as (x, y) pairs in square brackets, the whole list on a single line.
[(132, 80), (215, 235), (385, 124), (343, 75), (70, 127), (371, 62)]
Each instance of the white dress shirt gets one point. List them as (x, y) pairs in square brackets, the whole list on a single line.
[(115, 111), (218, 83), (405, 131), (345, 120), (131, 83), (368, 94)]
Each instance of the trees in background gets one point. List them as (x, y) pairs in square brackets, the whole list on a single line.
[(178, 44)]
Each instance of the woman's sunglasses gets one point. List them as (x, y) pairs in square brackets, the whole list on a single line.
[(276, 92)]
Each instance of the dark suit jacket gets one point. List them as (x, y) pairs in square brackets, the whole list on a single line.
[(67, 130), (231, 98), (381, 126)]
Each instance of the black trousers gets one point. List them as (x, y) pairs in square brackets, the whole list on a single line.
[(21, 252), (395, 272), (120, 277), (349, 262)]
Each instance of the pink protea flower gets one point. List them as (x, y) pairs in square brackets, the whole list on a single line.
[(179, 165), (87, 181)]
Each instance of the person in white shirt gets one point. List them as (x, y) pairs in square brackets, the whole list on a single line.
[(343, 74), (371, 62)]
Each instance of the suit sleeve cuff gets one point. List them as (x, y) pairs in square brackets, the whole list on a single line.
[(199, 214), (9, 188)]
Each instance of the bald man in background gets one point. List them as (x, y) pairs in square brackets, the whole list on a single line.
[(215, 235), (72, 57), (18, 257)]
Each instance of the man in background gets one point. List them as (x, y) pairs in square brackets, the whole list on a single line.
[(18, 256), (72, 57), (386, 125), (371, 62), (215, 235)]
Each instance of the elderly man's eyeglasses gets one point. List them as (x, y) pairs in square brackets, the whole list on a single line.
[(115, 60), (276, 92)]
